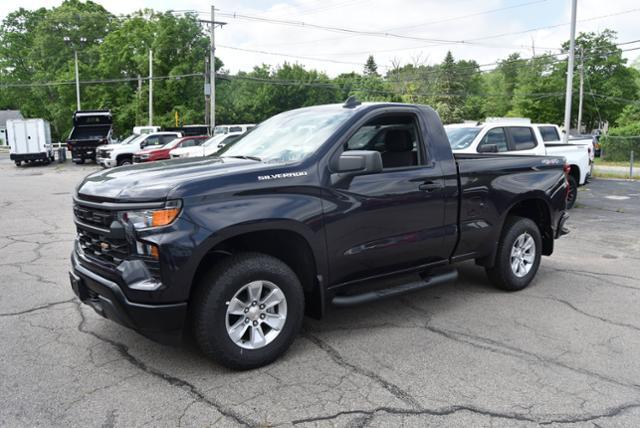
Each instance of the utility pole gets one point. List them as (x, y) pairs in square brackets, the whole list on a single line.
[(207, 91), (150, 87), (212, 71), (581, 90), (75, 55), (138, 100), (210, 89), (572, 48), (74, 46)]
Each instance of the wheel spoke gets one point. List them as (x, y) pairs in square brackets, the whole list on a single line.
[(257, 337), (528, 244), (273, 298), (275, 321), (237, 330), (255, 290), (515, 266), (236, 307), (528, 257)]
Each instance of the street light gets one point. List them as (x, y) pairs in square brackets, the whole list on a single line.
[(75, 55)]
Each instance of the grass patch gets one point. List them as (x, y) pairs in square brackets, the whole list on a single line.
[(601, 162), (600, 174)]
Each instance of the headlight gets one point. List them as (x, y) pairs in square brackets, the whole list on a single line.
[(158, 217), (144, 156)]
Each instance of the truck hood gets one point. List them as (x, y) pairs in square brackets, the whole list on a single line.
[(154, 181)]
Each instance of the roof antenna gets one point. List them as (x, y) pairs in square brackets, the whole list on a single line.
[(351, 102)]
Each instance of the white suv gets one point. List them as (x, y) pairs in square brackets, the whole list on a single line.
[(111, 155)]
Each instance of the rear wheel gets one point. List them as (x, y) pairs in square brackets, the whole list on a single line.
[(247, 310), (572, 196), (518, 256), (18, 163)]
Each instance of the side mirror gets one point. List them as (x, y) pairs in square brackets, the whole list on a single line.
[(358, 162), (488, 148), (143, 145)]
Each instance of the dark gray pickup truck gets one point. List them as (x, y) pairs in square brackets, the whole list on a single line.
[(335, 204)]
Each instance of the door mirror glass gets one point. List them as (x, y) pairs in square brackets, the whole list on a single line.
[(359, 162)]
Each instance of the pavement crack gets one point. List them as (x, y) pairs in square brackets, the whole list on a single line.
[(447, 411), (395, 390), (37, 308), (587, 314), (512, 351), (123, 350)]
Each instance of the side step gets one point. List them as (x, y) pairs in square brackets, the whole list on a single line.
[(371, 296)]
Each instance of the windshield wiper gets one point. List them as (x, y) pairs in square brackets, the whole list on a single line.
[(255, 158)]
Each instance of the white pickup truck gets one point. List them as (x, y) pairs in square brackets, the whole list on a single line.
[(521, 138), (111, 155)]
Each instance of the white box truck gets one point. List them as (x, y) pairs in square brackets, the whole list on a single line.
[(29, 141)]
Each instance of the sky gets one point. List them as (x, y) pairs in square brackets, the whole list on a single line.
[(484, 31)]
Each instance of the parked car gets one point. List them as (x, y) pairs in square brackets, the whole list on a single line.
[(122, 154), (162, 152), (226, 129), (208, 148), (29, 141), (91, 128), (520, 138), (147, 129), (286, 222)]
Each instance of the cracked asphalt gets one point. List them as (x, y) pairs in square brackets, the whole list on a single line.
[(562, 352)]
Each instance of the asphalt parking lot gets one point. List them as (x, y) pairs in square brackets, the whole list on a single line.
[(562, 352)]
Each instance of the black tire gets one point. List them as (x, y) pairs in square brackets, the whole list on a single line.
[(18, 163), (572, 196), (125, 161), (502, 274), (78, 161), (218, 286)]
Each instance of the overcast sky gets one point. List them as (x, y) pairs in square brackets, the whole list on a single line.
[(481, 25)]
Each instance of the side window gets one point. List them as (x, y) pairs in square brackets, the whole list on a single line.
[(495, 136), (153, 140), (549, 133), (165, 139), (394, 136), (188, 143), (522, 138)]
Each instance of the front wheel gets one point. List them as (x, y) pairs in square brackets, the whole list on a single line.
[(518, 256), (247, 310), (125, 161), (18, 163)]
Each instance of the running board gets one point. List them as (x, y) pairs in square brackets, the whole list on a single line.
[(371, 296)]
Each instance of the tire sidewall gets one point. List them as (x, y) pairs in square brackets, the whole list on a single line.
[(224, 284), (521, 226), (573, 187)]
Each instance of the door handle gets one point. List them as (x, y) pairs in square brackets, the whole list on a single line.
[(429, 186)]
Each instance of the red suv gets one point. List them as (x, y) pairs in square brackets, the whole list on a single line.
[(162, 153)]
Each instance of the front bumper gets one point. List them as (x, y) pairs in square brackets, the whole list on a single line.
[(161, 322), (106, 162)]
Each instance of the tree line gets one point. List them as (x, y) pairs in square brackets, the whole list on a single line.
[(37, 73)]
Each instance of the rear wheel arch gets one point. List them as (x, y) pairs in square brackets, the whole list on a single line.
[(533, 208)]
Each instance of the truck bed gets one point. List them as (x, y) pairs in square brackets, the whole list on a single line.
[(488, 183)]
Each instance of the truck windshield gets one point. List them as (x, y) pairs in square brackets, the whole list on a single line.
[(288, 137), (461, 137)]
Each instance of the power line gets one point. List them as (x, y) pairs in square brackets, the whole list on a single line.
[(424, 24)]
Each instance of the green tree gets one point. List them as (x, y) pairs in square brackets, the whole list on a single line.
[(370, 67), (448, 99)]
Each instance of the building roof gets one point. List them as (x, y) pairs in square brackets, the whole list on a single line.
[(8, 115)]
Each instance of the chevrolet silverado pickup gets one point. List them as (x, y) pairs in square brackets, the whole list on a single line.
[(329, 205)]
